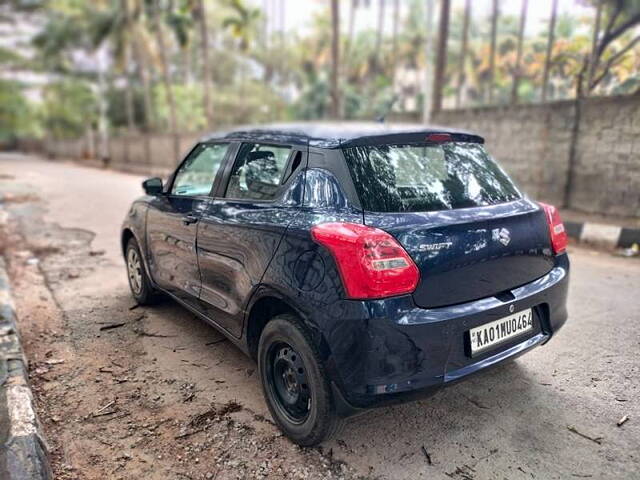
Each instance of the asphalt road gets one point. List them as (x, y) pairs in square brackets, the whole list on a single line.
[(551, 414)]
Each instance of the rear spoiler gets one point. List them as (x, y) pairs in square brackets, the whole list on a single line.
[(406, 138)]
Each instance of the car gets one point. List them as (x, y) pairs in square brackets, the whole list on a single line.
[(359, 265)]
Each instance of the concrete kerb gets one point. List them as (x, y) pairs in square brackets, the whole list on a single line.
[(608, 236), (23, 448)]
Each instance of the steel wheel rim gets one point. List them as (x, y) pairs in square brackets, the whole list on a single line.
[(288, 383), (134, 269)]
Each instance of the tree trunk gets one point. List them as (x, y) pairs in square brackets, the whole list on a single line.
[(379, 35), (492, 52), (335, 58), (127, 75), (206, 62), (166, 79), (441, 59), (594, 45), (518, 65), (352, 26), (547, 59), (463, 52), (427, 93), (103, 122), (394, 41)]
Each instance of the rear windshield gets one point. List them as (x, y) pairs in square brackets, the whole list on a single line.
[(423, 178)]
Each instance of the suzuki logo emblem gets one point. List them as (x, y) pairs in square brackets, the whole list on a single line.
[(511, 308), (502, 235)]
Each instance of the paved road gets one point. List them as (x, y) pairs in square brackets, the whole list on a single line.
[(513, 422)]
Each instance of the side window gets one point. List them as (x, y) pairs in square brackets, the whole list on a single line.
[(258, 171), (197, 173)]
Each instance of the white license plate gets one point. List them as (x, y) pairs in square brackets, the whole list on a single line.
[(493, 333)]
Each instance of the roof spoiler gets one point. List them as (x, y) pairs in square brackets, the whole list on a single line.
[(404, 138)]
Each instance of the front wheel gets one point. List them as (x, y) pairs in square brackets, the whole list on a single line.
[(139, 282), (294, 383)]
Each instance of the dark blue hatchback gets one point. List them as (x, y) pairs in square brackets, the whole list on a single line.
[(358, 264)]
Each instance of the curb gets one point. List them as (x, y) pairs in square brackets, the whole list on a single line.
[(611, 236), (23, 449)]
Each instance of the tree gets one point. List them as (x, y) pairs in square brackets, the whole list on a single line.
[(16, 117), (518, 65), (352, 23), (463, 51), (200, 16), (379, 34), (492, 52), (394, 37), (441, 59), (547, 58), (427, 92), (621, 17), (158, 26), (335, 58)]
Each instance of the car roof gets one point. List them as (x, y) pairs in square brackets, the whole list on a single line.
[(338, 134)]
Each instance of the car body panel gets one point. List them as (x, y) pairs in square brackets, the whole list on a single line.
[(461, 254), (171, 244)]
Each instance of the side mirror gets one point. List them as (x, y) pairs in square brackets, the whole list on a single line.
[(152, 186)]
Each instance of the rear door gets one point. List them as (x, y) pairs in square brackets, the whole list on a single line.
[(242, 227), (172, 222), (457, 214)]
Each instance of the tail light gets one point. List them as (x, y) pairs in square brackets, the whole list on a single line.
[(372, 264), (557, 232)]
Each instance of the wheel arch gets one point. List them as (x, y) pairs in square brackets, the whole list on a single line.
[(127, 234), (266, 303)]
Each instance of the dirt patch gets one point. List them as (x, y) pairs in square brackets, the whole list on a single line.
[(116, 392), (9, 197)]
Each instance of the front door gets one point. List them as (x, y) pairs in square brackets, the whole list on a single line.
[(172, 222)]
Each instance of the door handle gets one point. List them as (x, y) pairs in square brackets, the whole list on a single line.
[(189, 219)]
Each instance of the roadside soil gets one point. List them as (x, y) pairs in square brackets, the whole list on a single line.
[(126, 392)]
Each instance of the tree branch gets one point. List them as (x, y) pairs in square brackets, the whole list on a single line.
[(610, 35), (611, 62)]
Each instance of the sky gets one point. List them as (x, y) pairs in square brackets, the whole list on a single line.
[(299, 12)]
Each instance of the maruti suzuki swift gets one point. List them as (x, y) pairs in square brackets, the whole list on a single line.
[(359, 264)]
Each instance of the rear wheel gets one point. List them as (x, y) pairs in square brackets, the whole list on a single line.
[(139, 282), (294, 383)]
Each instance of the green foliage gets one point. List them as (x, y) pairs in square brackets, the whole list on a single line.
[(69, 108), (16, 114)]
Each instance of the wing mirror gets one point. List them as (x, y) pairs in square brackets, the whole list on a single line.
[(152, 186)]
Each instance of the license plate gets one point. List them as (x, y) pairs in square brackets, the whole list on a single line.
[(494, 333)]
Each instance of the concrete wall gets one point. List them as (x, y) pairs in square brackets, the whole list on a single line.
[(533, 143)]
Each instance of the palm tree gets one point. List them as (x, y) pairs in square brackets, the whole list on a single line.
[(463, 52), (518, 66), (200, 16), (547, 59), (352, 25), (427, 93), (396, 25), (158, 27), (335, 58), (492, 52), (379, 35), (243, 24), (441, 59)]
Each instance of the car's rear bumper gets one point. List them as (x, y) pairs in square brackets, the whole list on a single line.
[(401, 352)]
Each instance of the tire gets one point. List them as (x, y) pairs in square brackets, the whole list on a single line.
[(294, 383), (139, 282)]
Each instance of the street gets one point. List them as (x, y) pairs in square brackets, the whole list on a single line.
[(154, 393)]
